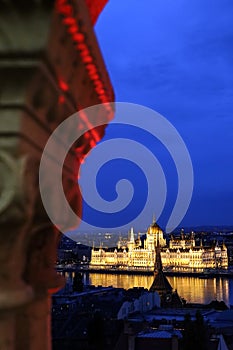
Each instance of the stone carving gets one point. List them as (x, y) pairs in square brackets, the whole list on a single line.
[(15, 210), (41, 258), (7, 181), (32, 103), (30, 22)]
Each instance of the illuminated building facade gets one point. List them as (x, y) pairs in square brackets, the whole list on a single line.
[(133, 254), (181, 253)]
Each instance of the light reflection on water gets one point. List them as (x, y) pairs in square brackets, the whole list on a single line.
[(193, 289), (200, 290)]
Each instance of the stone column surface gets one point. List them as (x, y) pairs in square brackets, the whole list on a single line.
[(44, 80), (14, 213)]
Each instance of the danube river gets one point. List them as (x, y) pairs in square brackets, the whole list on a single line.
[(192, 289)]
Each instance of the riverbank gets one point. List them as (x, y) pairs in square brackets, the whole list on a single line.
[(104, 270)]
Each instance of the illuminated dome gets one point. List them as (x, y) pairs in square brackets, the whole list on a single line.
[(155, 235), (154, 228)]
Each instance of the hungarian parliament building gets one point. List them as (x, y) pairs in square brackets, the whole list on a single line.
[(181, 253)]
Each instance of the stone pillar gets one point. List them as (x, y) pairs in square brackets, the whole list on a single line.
[(33, 325), (15, 211), (45, 78), (33, 320), (6, 330)]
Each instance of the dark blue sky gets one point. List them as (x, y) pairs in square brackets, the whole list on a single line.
[(176, 57)]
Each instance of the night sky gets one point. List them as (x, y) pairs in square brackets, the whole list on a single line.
[(176, 57)]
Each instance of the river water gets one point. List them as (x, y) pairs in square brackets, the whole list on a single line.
[(192, 289)]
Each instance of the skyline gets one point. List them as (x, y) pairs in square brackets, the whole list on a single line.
[(176, 58)]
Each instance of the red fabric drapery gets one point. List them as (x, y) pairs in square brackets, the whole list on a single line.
[(95, 7)]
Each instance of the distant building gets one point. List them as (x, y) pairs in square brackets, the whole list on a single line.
[(144, 302), (81, 317), (181, 253), (165, 338), (133, 254)]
